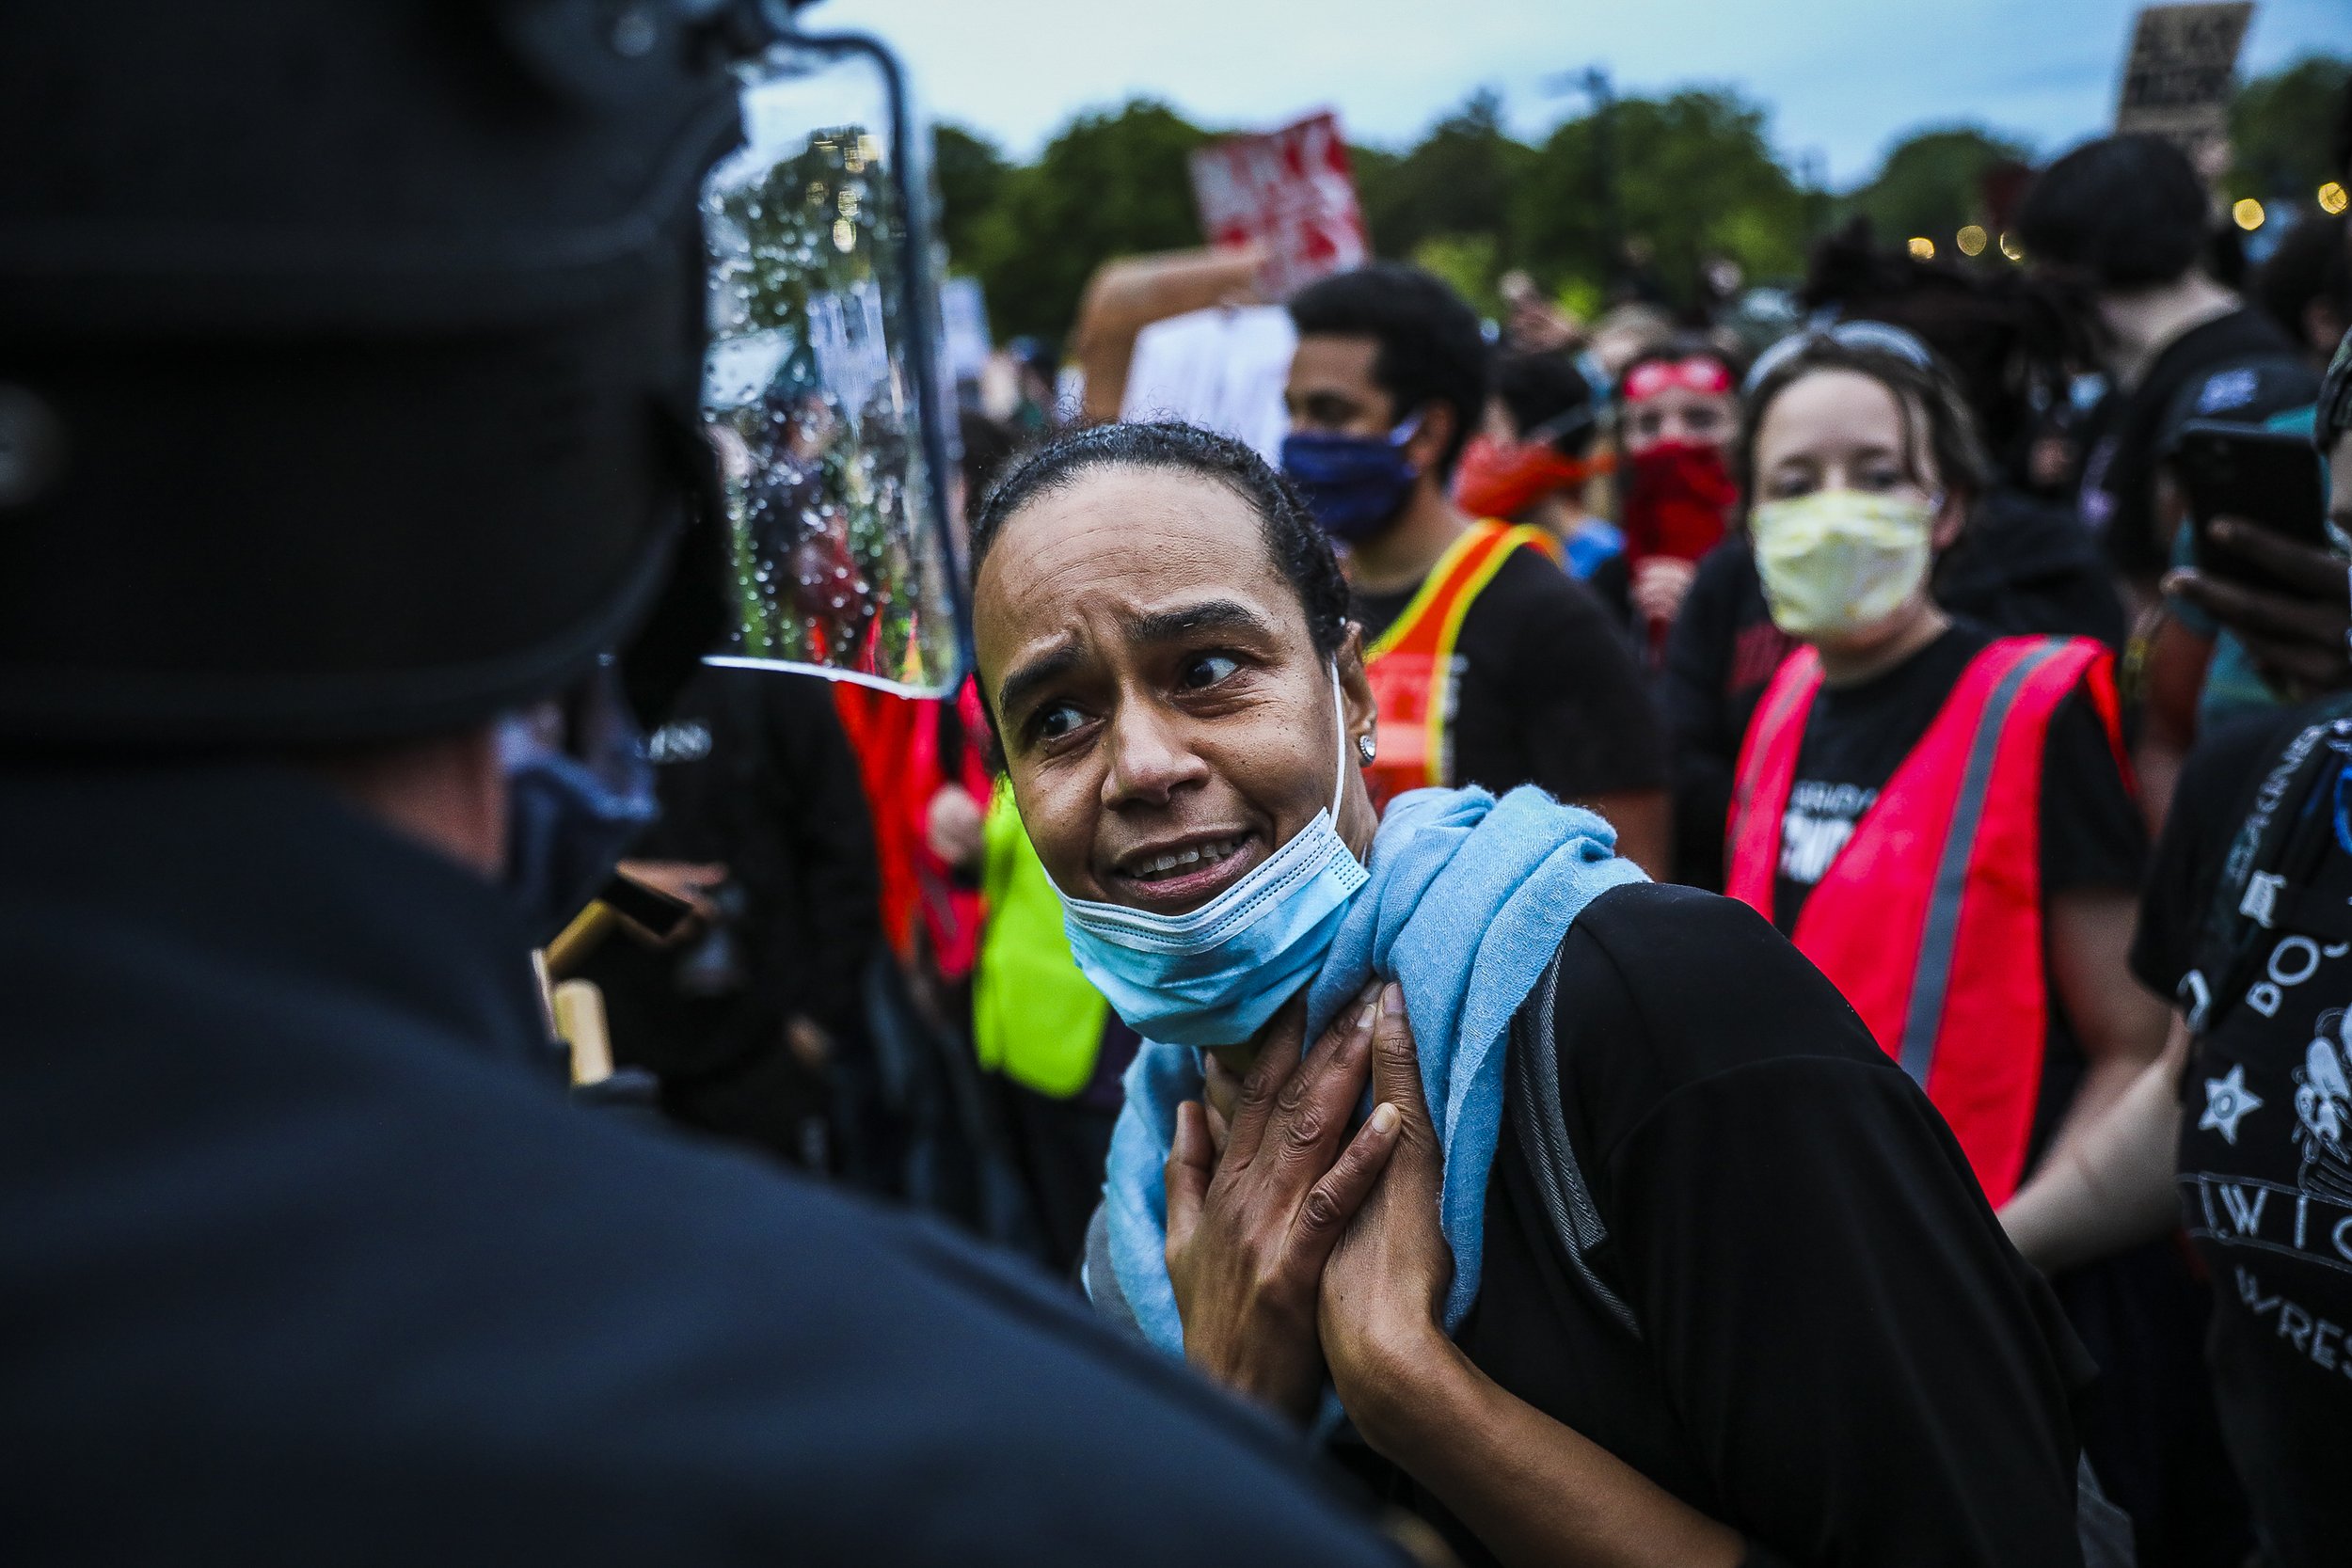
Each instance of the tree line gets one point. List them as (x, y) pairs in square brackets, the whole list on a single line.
[(1684, 177)]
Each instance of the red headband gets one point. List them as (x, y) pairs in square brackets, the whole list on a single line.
[(1697, 373)]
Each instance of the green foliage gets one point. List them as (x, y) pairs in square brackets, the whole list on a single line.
[(1581, 299), (1459, 180), (819, 223), (1467, 263), (1111, 184), (2283, 129), (1694, 177), (1928, 184), (969, 171), (1372, 167)]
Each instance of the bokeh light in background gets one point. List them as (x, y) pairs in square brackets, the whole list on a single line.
[(1922, 247), (2332, 198), (1970, 240), (2247, 215), (2012, 250)]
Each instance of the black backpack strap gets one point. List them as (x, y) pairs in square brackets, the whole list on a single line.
[(1539, 1117), (2263, 882)]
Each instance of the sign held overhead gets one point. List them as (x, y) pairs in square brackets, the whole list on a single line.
[(1292, 192), (2178, 77)]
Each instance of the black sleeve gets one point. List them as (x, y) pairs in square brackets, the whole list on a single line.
[(1584, 717), (2092, 835), (1702, 732), (2072, 603), (827, 833), (1611, 583), (2026, 566), (2215, 788), (1863, 1366)]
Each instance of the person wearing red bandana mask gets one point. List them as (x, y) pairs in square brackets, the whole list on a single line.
[(1536, 455), (1677, 408)]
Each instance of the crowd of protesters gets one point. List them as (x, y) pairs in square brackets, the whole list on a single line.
[(1658, 947), (1867, 631)]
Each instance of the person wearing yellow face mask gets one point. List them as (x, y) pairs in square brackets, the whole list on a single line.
[(1941, 818), (1938, 816)]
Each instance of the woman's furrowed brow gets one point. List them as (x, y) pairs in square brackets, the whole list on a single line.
[(1026, 680), (1169, 626), (1152, 627)]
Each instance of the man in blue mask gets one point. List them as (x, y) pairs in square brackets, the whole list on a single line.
[(1490, 666)]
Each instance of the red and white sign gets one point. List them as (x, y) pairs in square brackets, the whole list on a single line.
[(1289, 191)]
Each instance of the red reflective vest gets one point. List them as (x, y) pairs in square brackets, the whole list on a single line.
[(1930, 918), (1411, 664)]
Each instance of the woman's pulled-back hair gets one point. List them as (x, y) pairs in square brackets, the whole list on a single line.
[(1921, 391), (1300, 550)]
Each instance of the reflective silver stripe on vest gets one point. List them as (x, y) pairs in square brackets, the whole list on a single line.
[(1923, 1019)]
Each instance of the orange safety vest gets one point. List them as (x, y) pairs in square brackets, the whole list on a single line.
[(1411, 665), (1930, 919)]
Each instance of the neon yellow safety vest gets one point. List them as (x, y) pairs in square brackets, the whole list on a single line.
[(1035, 1019)]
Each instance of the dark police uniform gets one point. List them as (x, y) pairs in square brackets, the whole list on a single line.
[(349, 365), (309, 1261)]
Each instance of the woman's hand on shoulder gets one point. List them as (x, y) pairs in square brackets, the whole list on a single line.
[(1250, 1226), (1384, 1290)]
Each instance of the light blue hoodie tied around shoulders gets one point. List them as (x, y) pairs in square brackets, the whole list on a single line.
[(1468, 898)]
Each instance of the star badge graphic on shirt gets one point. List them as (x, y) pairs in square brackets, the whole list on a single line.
[(2227, 1101)]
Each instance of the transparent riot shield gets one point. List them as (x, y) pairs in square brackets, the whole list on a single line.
[(824, 389)]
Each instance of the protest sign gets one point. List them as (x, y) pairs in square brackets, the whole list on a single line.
[(1289, 191), (2177, 78), (963, 324)]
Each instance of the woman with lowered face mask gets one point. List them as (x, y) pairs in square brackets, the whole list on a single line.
[(1574, 1212)]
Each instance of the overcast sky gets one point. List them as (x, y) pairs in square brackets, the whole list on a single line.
[(1843, 79)]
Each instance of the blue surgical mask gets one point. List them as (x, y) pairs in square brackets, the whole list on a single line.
[(1215, 975), (1354, 484)]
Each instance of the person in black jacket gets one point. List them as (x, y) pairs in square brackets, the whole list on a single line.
[(2124, 217), (762, 817), (308, 1256)]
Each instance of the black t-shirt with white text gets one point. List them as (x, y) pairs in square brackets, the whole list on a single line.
[(2265, 1158), (1546, 688), (1856, 736)]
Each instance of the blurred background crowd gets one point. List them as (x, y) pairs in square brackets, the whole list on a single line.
[(1946, 562)]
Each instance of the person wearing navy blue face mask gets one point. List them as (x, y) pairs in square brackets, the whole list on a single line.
[(1487, 665), (1354, 485), (1787, 1328)]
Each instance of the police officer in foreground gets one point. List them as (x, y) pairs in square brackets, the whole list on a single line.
[(348, 364)]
